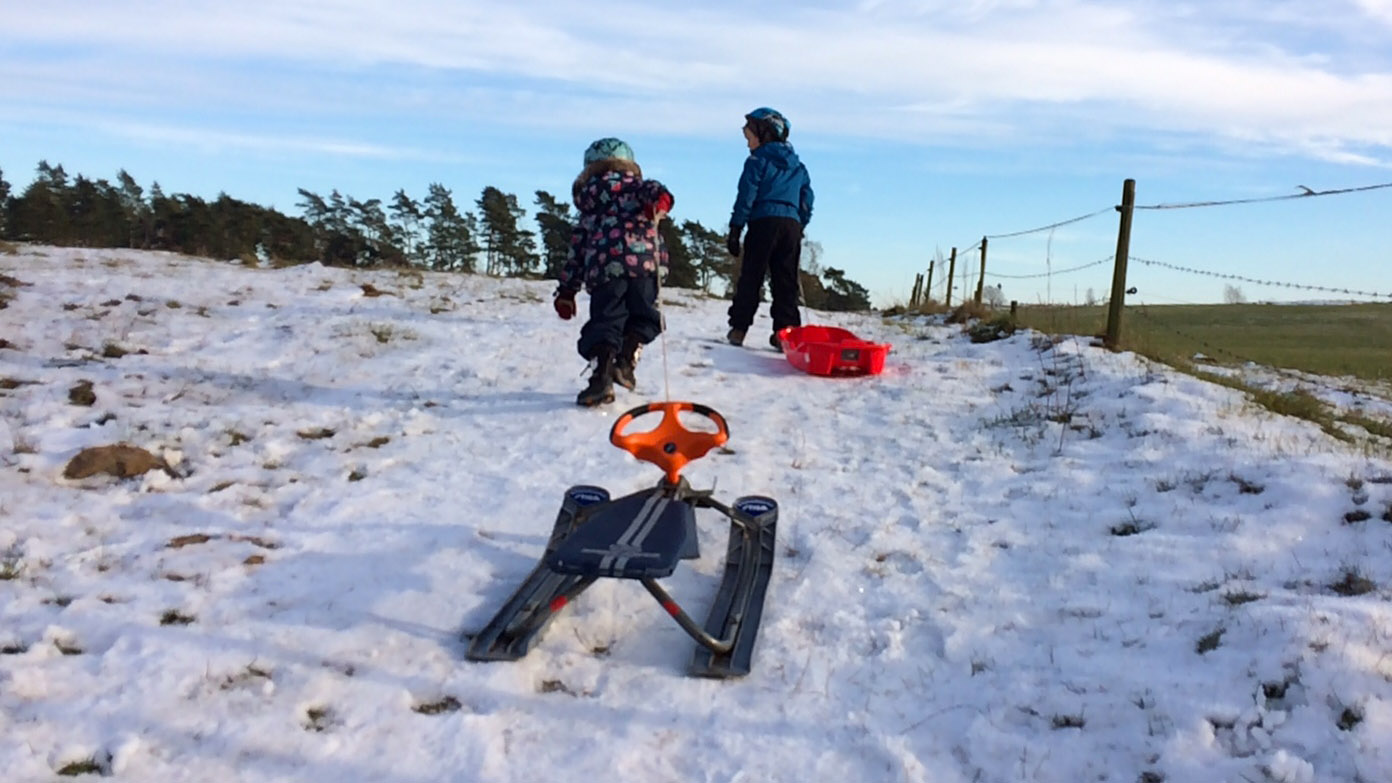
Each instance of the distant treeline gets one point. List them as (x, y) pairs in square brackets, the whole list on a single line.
[(432, 233)]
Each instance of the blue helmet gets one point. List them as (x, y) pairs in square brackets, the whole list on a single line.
[(607, 148), (768, 124)]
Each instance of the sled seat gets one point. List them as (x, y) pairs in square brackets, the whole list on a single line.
[(638, 536)]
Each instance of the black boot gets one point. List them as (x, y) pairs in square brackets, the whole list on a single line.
[(601, 388), (627, 361)]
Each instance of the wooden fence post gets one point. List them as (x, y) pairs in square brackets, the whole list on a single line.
[(981, 281), (1123, 251), (951, 275), (917, 289), (928, 287)]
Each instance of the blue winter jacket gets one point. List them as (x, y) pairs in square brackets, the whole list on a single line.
[(774, 184)]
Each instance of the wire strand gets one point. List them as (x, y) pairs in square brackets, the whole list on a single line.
[(1306, 194), (1050, 274), (1049, 227), (1255, 281)]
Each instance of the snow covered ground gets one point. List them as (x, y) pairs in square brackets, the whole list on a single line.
[(1011, 561)]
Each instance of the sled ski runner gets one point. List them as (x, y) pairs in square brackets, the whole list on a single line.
[(643, 536), (739, 603), (530, 608)]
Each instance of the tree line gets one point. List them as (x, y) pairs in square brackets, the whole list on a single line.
[(432, 233)]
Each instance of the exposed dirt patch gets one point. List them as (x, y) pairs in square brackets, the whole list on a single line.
[(121, 460)]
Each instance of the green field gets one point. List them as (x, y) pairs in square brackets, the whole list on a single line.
[(1354, 339)]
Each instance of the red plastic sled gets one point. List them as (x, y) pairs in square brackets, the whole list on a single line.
[(829, 350)]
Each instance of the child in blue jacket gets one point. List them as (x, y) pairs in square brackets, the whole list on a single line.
[(775, 201), (614, 254)]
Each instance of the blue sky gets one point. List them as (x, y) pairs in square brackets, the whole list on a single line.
[(925, 125)]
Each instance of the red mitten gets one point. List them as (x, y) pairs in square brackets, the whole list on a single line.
[(662, 206), (565, 304)]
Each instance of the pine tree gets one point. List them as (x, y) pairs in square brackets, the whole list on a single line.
[(712, 263), (681, 273), (814, 293), (338, 239), (286, 239), (37, 211), (553, 218), (844, 293), (344, 243), (95, 216), (316, 213), (407, 217), (160, 209), (39, 214), (139, 224), (4, 206), (450, 242), (508, 249), (369, 221), (237, 229)]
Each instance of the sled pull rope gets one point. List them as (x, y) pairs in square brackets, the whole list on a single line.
[(662, 314)]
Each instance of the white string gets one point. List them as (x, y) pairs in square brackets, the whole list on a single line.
[(661, 314)]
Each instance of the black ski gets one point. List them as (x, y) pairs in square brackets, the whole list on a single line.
[(739, 603), (509, 635)]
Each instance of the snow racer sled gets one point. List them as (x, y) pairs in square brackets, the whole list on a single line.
[(642, 536)]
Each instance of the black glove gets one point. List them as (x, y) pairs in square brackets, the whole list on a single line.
[(732, 242)]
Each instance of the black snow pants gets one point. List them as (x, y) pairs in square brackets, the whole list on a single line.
[(773, 247), (620, 306)]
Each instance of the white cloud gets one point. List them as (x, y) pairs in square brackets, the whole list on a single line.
[(1380, 10), (964, 71), (225, 142)]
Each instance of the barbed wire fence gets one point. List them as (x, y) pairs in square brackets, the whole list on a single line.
[(976, 253)]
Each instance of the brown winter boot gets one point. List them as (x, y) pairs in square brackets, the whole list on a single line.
[(627, 361), (601, 387)]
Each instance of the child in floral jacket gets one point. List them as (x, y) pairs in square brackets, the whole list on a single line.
[(615, 255)]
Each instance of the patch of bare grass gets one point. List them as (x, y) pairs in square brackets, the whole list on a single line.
[(179, 542), (1357, 515), (438, 707), (1352, 583), (121, 460), (249, 676), (1378, 427), (1209, 641), (318, 719), (88, 766), (1239, 597), (81, 394), (176, 617), (11, 565)]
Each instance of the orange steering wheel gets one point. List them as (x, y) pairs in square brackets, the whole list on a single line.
[(670, 445)]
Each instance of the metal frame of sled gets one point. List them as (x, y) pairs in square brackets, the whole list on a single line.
[(643, 536)]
